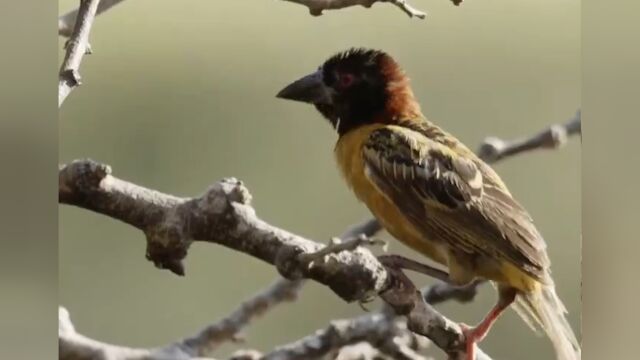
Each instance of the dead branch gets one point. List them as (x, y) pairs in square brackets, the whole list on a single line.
[(316, 7), (553, 137), (68, 20), (228, 328), (382, 331), (76, 47)]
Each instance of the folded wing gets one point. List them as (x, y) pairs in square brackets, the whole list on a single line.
[(456, 199)]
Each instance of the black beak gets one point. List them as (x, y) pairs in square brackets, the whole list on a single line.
[(310, 89)]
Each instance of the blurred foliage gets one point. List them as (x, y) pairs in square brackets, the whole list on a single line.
[(180, 94)]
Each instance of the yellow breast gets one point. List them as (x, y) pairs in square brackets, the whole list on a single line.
[(348, 152)]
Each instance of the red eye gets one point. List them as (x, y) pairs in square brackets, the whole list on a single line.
[(346, 80)]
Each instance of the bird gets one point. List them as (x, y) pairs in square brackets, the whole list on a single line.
[(432, 193)]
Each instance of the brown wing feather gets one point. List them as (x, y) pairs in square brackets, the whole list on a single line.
[(456, 199)]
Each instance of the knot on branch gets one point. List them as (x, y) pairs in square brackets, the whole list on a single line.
[(288, 263), (167, 246), (225, 192), (88, 173), (400, 293), (65, 326), (169, 239), (353, 274), (81, 177), (491, 149), (557, 136), (72, 77)]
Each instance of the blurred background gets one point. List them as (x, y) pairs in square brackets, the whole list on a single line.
[(178, 95)]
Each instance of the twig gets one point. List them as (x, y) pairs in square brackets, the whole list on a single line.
[(223, 215), (66, 21), (76, 46), (74, 346), (555, 136), (382, 331), (228, 328), (316, 7), (408, 9), (337, 246)]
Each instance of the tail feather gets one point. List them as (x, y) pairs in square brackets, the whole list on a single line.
[(544, 310)]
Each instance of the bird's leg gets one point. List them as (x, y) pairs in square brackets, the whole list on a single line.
[(473, 335), (401, 262)]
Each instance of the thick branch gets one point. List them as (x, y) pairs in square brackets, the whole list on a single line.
[(66, 21), (553, 137), (76, 46), (223, 215)]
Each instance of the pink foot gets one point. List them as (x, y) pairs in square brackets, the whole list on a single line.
[(471, 337)]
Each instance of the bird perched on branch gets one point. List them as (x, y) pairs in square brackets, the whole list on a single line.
[(432, 193)]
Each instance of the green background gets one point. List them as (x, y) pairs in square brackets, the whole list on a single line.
[(179, 94)]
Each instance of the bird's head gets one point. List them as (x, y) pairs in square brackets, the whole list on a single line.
[(356, 87)]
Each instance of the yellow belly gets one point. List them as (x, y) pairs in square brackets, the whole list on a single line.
[(349, 157)]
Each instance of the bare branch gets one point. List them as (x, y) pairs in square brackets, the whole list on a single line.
[(223, 215), (382, 331), (77, 47), (74, 346), (66, 21), (408, 9), (212, 336), (316, 7), (405, 299), (337, 245), (555, 136)]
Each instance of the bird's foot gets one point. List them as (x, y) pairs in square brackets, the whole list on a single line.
[(472, 336), (365, 301)]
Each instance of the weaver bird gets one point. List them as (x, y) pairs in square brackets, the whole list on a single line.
[(431, 192)]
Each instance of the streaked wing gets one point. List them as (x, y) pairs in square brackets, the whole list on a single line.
[(459, 200)]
